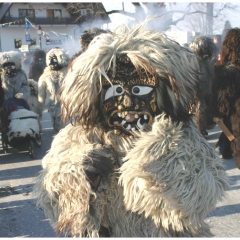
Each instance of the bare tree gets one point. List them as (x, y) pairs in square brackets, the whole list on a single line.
[(198, 17), (207, 18)]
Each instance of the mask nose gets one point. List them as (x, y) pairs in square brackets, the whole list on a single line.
[(127, 102)]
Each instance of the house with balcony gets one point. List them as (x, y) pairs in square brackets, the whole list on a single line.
[(28, 26)]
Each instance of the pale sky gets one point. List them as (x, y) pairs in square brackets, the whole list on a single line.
[(232, 16)]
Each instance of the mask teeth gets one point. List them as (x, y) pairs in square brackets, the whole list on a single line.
[(127, 117), (123, 122)]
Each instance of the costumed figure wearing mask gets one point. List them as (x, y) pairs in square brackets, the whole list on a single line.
[(38, 65), (14, 79), (132, 163), (205, 51), (226, 94), (50, 82)]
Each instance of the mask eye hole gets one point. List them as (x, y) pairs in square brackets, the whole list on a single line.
[(115, 90), (141, 90)]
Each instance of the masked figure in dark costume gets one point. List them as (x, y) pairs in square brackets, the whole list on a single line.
[(226, 90), (85, 39), (205, 51), (132, 163), (38, 65), (50, 82)]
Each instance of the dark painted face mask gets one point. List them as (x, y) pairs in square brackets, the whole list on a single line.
[(9, 69), (131, 101), (41, 61), (53, 63)]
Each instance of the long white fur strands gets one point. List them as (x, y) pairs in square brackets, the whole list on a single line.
[(174, 155), (147, 49)]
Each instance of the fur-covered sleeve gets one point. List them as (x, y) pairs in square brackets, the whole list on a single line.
[(31, 73), (173, 176), (63, 190), (24, 88), (42, 88)]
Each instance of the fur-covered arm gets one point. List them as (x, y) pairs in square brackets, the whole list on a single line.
[(24, 90), (63, 189), (173, 176), (31, 73)]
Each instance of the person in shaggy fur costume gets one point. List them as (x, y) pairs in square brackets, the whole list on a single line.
[(50, 82), (85, 39), (37, 65), (14, 82), (205, 49), (226, 89), (132, 163), (14, 79)]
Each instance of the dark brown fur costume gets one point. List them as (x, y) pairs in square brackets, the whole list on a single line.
[(85, 39), (36, 68), (205, 51), (226, 90)]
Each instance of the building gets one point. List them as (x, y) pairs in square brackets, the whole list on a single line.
[(28, 26)]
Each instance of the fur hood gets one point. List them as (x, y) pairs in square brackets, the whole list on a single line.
[(176, 68), (204, 48), (38, 54), (11, 56), (62, 57)]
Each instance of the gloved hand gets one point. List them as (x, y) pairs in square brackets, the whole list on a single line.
[(19, 95), (99, 162)]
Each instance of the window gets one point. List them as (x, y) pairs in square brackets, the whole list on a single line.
[(86, 11), (17, 42), (26, 13), (83, 12), (54, 13)]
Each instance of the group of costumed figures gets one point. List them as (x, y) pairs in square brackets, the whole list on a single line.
[(40, 88), (133, 162)]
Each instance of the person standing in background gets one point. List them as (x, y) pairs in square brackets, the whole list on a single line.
[(226, 94), (38, 65)]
